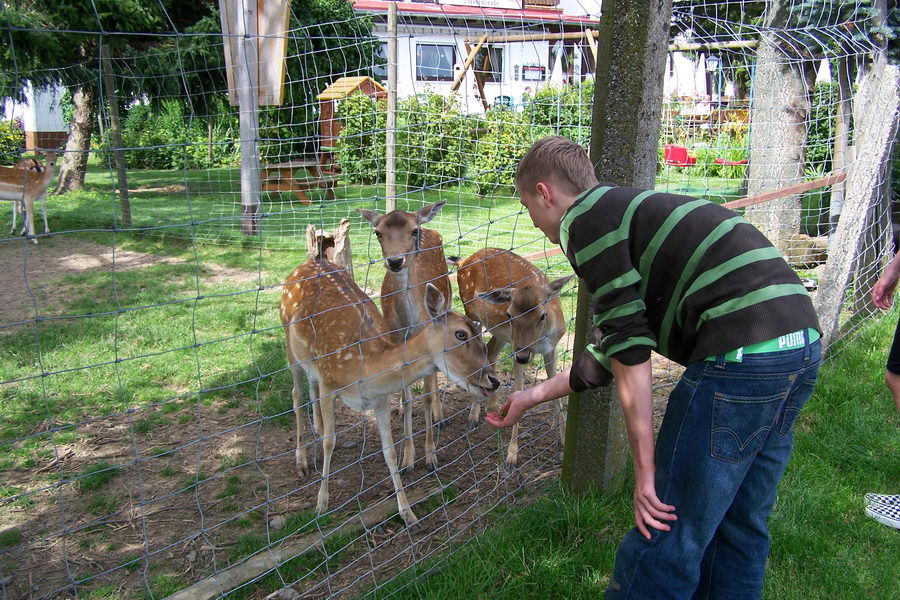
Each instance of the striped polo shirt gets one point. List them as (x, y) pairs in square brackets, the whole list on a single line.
[(679, 275)]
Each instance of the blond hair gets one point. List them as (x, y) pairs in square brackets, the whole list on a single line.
[(558, 158)]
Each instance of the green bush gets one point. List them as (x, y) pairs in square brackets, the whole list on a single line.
[(361, 146), (820, 135), (433, 141), (505, 138), (12, 140), (167, 138), (566, 111)]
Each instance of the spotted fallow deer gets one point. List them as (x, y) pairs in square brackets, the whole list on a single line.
[(336, 334), (414, 257), (518, 305), (24, 187)]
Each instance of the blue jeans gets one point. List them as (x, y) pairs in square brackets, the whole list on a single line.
[(722, 449)]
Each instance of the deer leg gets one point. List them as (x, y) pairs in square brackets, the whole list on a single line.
[(383, 418), (494, 346), (431, 399), (326, 403), (28, 217), (437, 407), (561, 403), (44, 210), (297, 395), (409, 447), (512, 451), (474, 414), (15, 213)]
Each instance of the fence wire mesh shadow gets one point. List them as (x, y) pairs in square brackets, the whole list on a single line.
[(148, 437)]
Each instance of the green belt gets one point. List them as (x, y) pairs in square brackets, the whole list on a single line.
[(789, 341)]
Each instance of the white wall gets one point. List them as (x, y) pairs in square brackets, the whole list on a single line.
[(515, 54)]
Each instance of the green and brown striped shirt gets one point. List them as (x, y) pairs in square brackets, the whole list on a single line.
[(679, 275)]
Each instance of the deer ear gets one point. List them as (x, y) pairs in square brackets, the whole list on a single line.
[(498, 296), (427, 213), (553, 288), (370, 215), (435, 302)]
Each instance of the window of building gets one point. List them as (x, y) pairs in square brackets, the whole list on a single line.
[(434, 62), (489, 63), (379, 71)]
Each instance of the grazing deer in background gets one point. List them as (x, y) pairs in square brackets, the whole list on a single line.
[(28, 164), (414, 257), (24, 187), (335, 333), (518, 305)]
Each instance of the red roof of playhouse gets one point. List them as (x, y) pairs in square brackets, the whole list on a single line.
[(527, 14)]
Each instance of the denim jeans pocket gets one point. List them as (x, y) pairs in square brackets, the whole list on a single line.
[(795, 403), (741, 424)]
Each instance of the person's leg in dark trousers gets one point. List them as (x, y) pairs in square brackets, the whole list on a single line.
[(734, 562), (711, 434)]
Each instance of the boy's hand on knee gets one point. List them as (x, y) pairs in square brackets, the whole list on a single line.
[(649, 510)]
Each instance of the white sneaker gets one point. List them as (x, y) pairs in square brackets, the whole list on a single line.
[(886, 499), (884, 514)]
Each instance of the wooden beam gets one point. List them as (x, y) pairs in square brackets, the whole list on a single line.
[(469, 60), (740, 203), (577, 35), (593, 44), (798, 188)]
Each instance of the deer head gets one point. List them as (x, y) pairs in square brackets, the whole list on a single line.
[(457, 347), (399, 233), (528, 315)]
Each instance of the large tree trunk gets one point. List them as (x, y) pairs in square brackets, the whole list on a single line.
[(779, 109), (74, 164)]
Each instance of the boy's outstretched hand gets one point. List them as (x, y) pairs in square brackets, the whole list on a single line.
[(511, 411)]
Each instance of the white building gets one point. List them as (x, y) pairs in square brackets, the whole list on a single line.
[(41, 116), (433, 38)]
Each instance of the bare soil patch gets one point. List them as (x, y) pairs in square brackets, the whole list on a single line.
[(32, 283), (161, 524)]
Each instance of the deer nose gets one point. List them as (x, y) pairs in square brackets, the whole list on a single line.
[(495, 383), (523, 357), (394, 263)]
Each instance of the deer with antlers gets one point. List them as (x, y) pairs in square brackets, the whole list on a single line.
[(414, 257), (520, 306), (24, 186), (335, 333)]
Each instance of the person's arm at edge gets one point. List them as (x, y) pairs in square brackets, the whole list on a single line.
[(883, 290), (634, 388), (518, 403)]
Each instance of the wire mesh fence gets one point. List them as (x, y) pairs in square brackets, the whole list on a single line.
[(148, 443)]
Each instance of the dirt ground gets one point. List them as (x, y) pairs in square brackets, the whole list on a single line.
[(30, 267), (165, 523)]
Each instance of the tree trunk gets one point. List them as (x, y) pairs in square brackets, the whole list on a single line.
[(74, 164), (841, 137), (779, 109)]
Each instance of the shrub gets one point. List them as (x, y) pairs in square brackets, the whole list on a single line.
[(507, 136), (167, 138), (820, 134), (566, 111), (361, 145), (433, 141), (12, 140)]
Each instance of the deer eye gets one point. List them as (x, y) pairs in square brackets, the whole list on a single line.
[(543, 316), (461, 335), (416, 232)]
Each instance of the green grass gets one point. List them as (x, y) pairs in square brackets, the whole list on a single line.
[(824, 547), (10, 537), (96, 476)]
